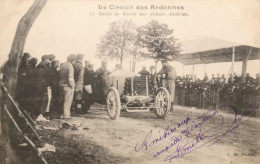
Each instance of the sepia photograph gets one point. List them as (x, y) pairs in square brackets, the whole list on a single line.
[(129, 81)]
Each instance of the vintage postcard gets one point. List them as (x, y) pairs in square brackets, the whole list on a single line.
[(128, 81)]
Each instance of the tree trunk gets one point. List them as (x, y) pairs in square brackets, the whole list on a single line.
[(22, 31), (11, 67), (244, 66)]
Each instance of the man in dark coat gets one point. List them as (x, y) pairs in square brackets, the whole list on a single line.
[(88, 73), (42, 83), (88, 82), (55, 89), (22, 94), (100, 83), (33, 87)]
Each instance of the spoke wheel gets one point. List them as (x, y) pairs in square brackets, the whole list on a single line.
[(163, 103), (113, 103)]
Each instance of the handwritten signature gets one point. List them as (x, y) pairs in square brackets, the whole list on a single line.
[(185, 143)]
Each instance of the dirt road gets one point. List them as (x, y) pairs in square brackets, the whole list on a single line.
[(142, 138)]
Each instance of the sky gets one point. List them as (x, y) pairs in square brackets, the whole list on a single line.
[(66, 26)]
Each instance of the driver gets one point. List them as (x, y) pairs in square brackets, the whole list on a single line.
[(101, 75), (102, 71)]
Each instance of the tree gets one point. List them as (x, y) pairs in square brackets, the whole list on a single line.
[(158, 42), (11, 66), (119, 41), (23, 28)]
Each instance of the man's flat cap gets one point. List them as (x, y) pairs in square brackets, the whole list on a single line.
[(80, 56), (72, 57)]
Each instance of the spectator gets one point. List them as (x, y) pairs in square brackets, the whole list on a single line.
[(51, 57), (206, 78), (22, 94), (33, 87), (78, 77), (55, 90), (42, 84), (88, 80), (67, 84)]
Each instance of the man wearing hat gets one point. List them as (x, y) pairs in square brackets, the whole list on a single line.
[(42, 84), (54, 87), (101, 74), (44, 62), (168, 73), (23, 81), (79, 78), (88, 80), (51, 57), (102, 71), (88, 73), (33, 86), (67, 84)]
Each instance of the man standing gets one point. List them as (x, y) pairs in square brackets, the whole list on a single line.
[(168, 73), (67, 84), (55, 90), (42, 82), (33, 87), (206, 78), (22, 93), (88, 80), (88, 73), (78, 77)]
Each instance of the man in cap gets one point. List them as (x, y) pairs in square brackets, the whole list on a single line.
[(41, 81), (51, 57), (79, 78), (88, 73), (67, 84), (101, 74), (33, 86), (168, 73), (88, 80), (206, 78), (102, 71), (55, 89), (23, 86), (44, 62)]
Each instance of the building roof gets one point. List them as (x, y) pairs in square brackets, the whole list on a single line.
[(211, 50)]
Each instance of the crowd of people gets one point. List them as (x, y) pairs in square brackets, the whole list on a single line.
[(57, 87), (207, 92), (52, 86), (217, 91)]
